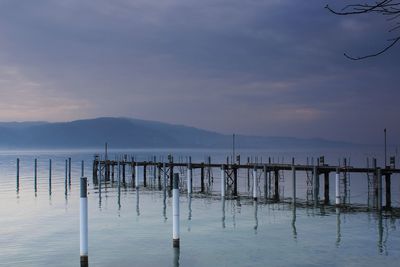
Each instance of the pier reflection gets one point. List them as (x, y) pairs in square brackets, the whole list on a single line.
[(223, 213), (177, 253), (294, 230), (190, 212), (137, 202), (338, 232), (255, 205)]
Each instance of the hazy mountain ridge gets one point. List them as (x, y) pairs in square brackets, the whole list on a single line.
[(134, 133)]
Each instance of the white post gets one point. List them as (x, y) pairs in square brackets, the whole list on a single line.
[(222, 181), (255, 183), (175, 211), (84, 223), (136, 176), (337, 183), (189, 177)]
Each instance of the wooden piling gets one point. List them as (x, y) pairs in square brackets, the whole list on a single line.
[(69, 171), (50, 176), (17, 178), (265, 182), (145, 174), (276, 187), (326, 188), (202, 177), (235, 181), (35, 178), (379, 180), (123, 173), (293, 182), (66, 177), (388, 191)]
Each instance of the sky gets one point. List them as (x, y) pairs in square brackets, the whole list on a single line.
[(266, 68)]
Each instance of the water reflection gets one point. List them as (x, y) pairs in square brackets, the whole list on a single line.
[(165, 203), (190, 212), (294, 230), (137, 202), (255, 216), (177, 253), (338, 233), (223, 213)]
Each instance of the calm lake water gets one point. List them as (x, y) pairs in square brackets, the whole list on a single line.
[(42, 230)]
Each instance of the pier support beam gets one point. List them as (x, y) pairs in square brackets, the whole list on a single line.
[(202, 177), (255, 183), (189, 176), (35, 182), (379, 179), (136, 184), (276, 187), (265, 182), (145, 175), (50, 176), (316, 185), (223, 181), (17, 175)]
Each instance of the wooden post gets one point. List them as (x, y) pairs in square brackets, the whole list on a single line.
[(35, 179), (293, 182), (326, 188), (123, 173), (66, 177), (379, 179), (159, 177), (17, 175), (49, 176), (69, 171), (316, 185), (95, 170), (235, 185), (145, 174), (265, 182), (276, 196), (112, 173), (171, 172), (388, 191), (202, 177)]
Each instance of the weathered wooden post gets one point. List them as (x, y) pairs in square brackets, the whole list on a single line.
[(223, 182), (326, 187), (49, 176), (379, 178), (175, 211), (276, 187), (265, 182), (316, 185), (84, 250), (293, 182), (189, 176), (145, 174), (17, 175), (337, 186), (119, 182), (255, 183), (388, 191), (35, 178), (66, 177), (69, 171), (100, 179), (235, 184), (82, 168), (123, 172), (202, 177)]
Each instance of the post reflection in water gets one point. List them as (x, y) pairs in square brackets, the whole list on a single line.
[(137, 202), (223, 213), (177, 253), (380, 233), (294, 222), (338, 233), (165, 203), (255, 216), (190, 212)]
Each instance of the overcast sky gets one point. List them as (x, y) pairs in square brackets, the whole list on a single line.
[(251, 67)]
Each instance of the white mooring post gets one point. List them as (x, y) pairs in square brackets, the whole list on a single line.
[(175, 211), (255, 183), (337, 186), (222, 181), (84, 251), (189, 176)]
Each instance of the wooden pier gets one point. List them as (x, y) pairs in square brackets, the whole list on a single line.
[(269, 173)]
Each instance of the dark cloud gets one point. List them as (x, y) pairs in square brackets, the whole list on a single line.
[(255, 67)]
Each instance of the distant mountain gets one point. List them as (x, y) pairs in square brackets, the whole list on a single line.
[(133, 133)]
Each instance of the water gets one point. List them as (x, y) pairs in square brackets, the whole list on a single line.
[(43, 230)]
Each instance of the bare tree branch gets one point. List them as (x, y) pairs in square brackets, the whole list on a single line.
[(389, 8)]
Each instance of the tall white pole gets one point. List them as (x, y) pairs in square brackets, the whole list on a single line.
[(84, 250), (175, 211), (337, 185), (255, 183), (222, 181)]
